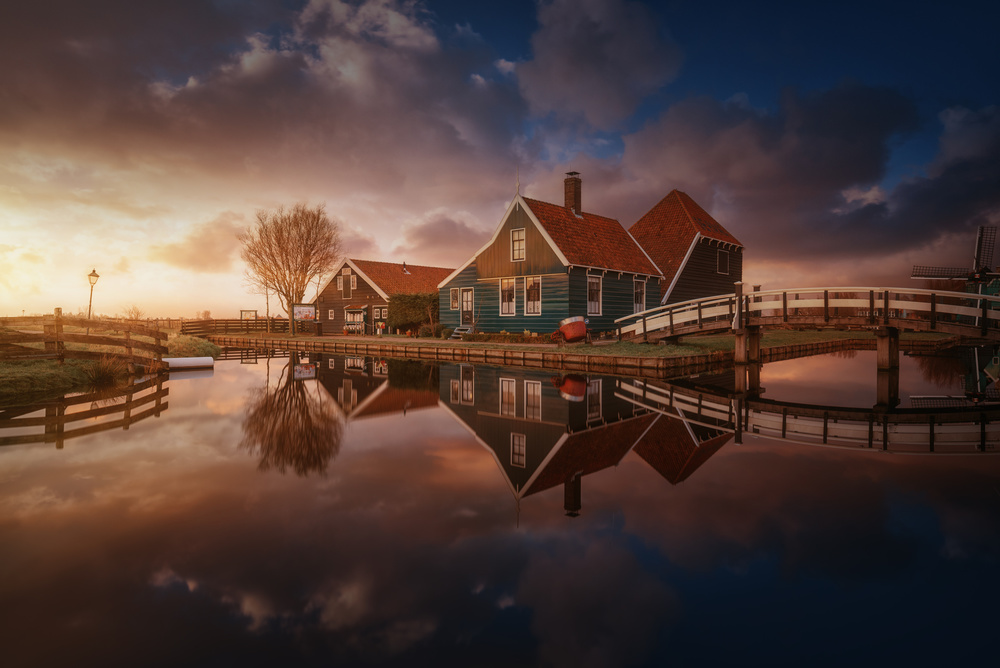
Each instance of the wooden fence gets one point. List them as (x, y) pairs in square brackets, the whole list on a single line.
[(115, 409), (138, 345), (234, 326)]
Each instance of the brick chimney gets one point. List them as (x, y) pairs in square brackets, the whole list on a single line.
[(572, 187)]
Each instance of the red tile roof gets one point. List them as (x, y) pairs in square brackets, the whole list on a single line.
[(667, 230), (670, 450), (392, 280), (591, 240), (397, 400)]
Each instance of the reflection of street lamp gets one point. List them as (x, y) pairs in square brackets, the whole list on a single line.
[(92, 277)]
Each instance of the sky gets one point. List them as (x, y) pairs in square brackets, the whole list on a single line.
[(841, 144)]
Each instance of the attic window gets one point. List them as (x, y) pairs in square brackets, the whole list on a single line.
[(517, 245), (723, 262)]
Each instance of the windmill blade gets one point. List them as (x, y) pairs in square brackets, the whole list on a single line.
[(940, 273), (985, 243)]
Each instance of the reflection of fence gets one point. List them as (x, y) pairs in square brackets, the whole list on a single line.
[(115, 409), (233, 326), (21, 337)]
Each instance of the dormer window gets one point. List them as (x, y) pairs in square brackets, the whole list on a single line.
[(517, 245)]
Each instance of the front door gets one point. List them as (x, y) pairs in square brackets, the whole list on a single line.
[(467, 294)]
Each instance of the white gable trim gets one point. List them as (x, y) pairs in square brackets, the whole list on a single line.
[(639, 246), (518, 200), (680, 269), (350, 263)]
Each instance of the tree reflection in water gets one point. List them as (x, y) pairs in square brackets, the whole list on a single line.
[(293, 425)]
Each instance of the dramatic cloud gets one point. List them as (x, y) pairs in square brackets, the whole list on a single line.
[(597, 59), (210, 247), (442, 239)]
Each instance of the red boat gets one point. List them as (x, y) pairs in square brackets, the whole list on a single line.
[(573, 329), (571, 387)]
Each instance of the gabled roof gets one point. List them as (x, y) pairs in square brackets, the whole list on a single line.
[(669, 230), (590, 240), (391, 278), (675, 449), (587, 240)]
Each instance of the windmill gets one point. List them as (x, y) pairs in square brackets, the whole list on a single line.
[(982, 265)]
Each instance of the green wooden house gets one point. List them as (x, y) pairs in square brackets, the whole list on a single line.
[(547, 262)]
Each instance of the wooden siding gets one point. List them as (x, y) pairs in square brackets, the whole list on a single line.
[(333, 299), (539, 258), (617, 295), (700, 277)]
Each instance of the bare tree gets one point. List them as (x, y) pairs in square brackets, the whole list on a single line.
[(287, 248), (134, 312)]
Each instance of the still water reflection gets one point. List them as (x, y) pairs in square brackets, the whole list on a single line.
[(357, 511)]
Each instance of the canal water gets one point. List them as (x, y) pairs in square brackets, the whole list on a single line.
[(358, 511)]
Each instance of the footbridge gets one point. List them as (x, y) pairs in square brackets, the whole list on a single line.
[(889, 309), (946, 426)]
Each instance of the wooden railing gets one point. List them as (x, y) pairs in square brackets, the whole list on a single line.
[(914, 309), (46, 337), (118, 408), (235, 326)]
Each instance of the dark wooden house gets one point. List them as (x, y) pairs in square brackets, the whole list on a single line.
[(698, 256), (542, 436), (356, 298), (547, 262)]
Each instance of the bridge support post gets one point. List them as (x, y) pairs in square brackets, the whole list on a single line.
[(887, 348), (747, 345), (887, 389)]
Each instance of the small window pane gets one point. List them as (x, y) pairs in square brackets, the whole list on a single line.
[(508, 300), (517, 245), (533, 295), (593, 295), (723, 262)]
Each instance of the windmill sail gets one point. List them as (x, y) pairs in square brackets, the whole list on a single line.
[(982, 263)]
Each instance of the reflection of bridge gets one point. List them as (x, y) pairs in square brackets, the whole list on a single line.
[(897, 309), (116, 408), (941, 429)]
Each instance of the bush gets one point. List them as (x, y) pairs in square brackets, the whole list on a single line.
[(438, 329), (446, 333), (425, 331), (109, 370)]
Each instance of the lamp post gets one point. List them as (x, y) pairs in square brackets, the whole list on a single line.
[(92, 277)]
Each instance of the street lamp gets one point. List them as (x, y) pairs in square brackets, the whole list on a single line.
[(92, 277)]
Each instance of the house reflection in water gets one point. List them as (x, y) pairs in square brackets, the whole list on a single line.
[(545, 430), (366, 387)]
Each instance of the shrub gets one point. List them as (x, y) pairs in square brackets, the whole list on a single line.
[(425, 331), (447, 332), (438, 329), (109, 370)]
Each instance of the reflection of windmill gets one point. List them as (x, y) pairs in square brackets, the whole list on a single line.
[(982, 265)]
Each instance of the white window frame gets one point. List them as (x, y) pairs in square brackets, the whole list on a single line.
[(594, 389), (718, 262), (533, 388), (528, 303), (467, 377), (456, 392), (600, 296), (513, 248), (354, 281), (332, 314), (513, 304), (508, 409), (636, 305), (340, 283), (456, 299), (518, 450)]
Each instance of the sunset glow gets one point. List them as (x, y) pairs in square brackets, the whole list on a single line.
[(840, 150)]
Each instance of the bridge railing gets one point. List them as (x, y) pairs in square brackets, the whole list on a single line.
[(857, 306)]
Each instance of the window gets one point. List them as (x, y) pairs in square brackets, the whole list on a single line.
[(533, 295), (723, 263), (639, 290), (532, 400), (508, 397), (456, 392), (454, 299), (332, 363), (508, 296), (518, 450), (354, 282), (468, 378), (340, 283), (346, 271), (331, 315), (594, 400), (593, 295), (517, 245)]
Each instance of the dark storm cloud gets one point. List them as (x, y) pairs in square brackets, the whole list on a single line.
[(803, 181), (441, 239), (597, 59)]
